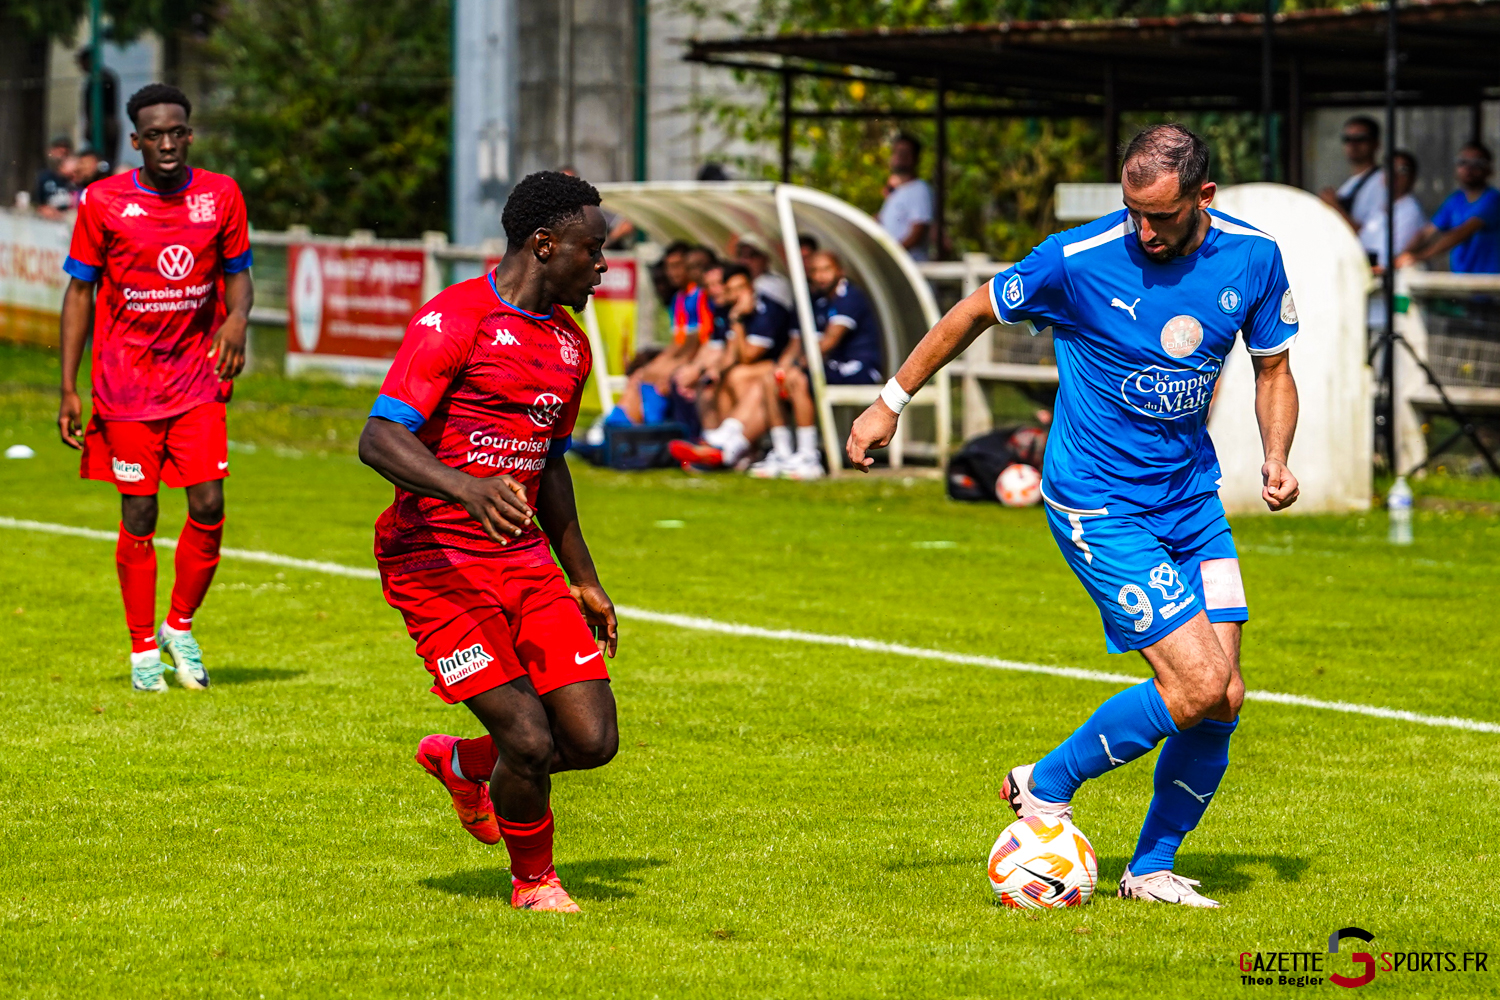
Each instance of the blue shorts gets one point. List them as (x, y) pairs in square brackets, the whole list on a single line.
[(1150, 572)]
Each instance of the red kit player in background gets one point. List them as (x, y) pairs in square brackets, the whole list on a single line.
[(471, 426), (167, 250)]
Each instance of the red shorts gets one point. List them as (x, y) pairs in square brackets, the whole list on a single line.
[(136, 455), (482, 624)]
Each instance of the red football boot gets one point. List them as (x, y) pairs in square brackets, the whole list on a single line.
[(545, 893), (696, 455), (471, 799)]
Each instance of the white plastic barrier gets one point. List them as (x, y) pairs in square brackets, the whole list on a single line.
[(1329, 275)]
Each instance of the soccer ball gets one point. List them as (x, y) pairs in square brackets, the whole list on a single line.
[(1043, 863), (1019, 485)]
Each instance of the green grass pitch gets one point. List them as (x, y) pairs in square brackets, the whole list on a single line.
[(783, 819)]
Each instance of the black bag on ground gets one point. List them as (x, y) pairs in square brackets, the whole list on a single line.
[(643, 447), (973, 470)]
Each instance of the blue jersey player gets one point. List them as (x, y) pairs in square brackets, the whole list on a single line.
[(1144, 305)]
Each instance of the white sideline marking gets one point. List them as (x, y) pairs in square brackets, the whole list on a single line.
[(815, 638)]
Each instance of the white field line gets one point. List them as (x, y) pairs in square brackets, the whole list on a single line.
[(815, 638)]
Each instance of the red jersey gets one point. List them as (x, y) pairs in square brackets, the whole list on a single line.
[(489, 389), (160, 261)]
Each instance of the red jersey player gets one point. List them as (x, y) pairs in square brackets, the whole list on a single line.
[(471, 426), (167, 250)]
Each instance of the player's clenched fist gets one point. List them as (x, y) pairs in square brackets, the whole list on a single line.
[(498, 503), (874, 428), (1280, 490)]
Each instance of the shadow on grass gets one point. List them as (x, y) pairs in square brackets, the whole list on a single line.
[(252, 675), (1218, 872), (600, 879)]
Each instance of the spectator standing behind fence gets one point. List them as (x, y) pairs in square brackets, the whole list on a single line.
[(1362, 196), (54, 192), (907, 212), (110, 85), (1468, 221), (1409, 222)]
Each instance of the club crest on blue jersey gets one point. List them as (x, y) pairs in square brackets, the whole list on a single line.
[(1013, 292), (1170, 393), (1229, 299)]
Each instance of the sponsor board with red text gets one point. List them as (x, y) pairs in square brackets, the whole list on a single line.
[(32, 281)]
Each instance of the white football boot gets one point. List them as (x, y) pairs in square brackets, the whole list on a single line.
[(145, 671), (1016, 793), (183, 652), (804, 467), (1163, 887), (770, 467)]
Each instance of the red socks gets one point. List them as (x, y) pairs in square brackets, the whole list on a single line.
[(530, 847), (529, 844), (476, 758), (135, 561), (197, 558)]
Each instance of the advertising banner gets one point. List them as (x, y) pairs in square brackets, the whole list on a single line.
[(348, 306), (32, 281)]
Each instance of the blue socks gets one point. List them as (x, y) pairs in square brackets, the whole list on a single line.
[(1188, 773), (1125, 727)]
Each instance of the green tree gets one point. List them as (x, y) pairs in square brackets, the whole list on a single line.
[(333, 113), (1001, 172)]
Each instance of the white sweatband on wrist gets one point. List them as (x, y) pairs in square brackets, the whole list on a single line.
[(895, 397)]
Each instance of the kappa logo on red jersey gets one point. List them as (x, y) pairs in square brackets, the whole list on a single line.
[(175, 262), (504, 337), (432, 319), (200, 207), (132, 210), (545, 409), (567, 349)]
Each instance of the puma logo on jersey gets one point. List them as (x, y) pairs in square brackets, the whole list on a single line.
[(432, 319), (1120, 304), (132, 210), (504, 337)]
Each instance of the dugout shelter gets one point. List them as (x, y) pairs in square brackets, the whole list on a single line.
[(716, 213)]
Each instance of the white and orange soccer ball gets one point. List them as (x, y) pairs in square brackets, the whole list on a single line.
[(1043, 863), (1019, 485)]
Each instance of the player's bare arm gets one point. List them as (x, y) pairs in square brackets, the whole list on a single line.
[(952, 335), (228, 349), (1276, 412), (557, 513), (77, 320), (498, 503)]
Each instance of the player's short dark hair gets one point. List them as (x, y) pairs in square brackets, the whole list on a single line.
[(1368, 123), (1479, 148), (914, 142), (730, 270), (1167, 148), (542, 201), (807, 240), (641, 359), (157, 93), (675, 247), (713, 258)]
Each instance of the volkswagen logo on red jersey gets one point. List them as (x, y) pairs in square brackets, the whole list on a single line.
[(175, 262), (545, 409)]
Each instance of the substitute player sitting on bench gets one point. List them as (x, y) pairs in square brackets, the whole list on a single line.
[(849, 340)]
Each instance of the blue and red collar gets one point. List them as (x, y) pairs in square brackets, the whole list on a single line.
[(136, 176), (491, 278)]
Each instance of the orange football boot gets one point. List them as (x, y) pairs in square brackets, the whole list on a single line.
[(691, 454), (471, 799), (545, 893)]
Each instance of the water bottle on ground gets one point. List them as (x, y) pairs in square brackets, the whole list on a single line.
[(1398, 503)]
